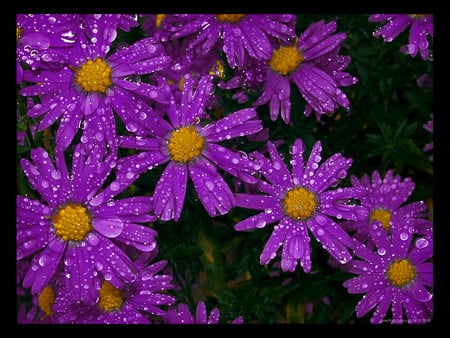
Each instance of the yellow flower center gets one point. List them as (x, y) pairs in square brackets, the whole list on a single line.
[(94, 76), (229, 17), (286, 59), (185, 144), (46, 300), (217, 69), (383, 216), (18, 33), (299, 203), (159, 19), (72, 222), (110, 298), (417, 16), (401, 272)]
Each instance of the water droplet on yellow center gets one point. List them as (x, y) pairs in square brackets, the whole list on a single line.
[(383, 216)]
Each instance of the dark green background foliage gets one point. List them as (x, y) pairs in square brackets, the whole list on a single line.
[(383, 130)]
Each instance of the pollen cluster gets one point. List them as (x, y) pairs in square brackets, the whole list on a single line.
[(46, 300), (72, 222), (401, 273), (185, 144), (110, 298), (94, 76), (299, 203), (229, 17), (286, 59), (383, 216)]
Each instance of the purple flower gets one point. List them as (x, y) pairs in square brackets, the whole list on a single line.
[(92, 80), (191, 150), (301, 201), (312, 63), (429, 126), (43, 40), (182, 315), (235, 34), (130, 304), (420, 26), (398, 274), (385, 199), (77, 225)]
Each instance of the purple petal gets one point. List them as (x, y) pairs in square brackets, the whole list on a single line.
[(237, 124), (141, 237), (109, 227), (368, 302), (42, 269), (274, 242), (212, 190), (258, 202), (170, 192)]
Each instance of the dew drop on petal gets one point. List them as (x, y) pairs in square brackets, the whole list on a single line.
[(29, 244), (404, 236), (260, 223), (209, 185), (44, 260), (421, 243), (114, 186), (68, 261), (381, 252)]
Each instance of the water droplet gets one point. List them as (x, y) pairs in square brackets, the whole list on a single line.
[(421, 243), (114, 186), (44, 184), (260, 223), (97, 200), (29, 244), (381, 252), (44, 260), (68, 261), (209, 185), (404, 236), (364, 285), (320, 232)]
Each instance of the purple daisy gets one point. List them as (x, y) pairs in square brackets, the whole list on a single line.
[(398, 274), (182, 315), (429, 127), (301, 201), (130, 304), (420, 27), (93, 80), (317, 78), (191, 150), (385, 199), (43, 41), (77, 223), (235, 34)]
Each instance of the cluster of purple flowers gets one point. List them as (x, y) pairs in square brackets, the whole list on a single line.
[(87, 254)]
